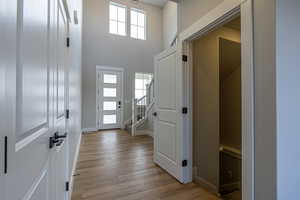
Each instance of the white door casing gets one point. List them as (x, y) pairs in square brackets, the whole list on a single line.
[(168, 146), (215, 18), (109, 97), (29, 100)]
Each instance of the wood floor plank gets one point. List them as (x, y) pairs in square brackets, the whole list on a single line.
[(113, 165)]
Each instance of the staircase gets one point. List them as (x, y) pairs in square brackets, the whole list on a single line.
[(141, 122)]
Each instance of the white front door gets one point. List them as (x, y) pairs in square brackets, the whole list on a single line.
[(168, 134), (110, 95)]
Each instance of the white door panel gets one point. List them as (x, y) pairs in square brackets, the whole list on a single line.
[(32, 72), (167, 128), (32, 101), (28, 164), (59, 168), (167, 116), (166, 73), (40, 187), (166, 140)]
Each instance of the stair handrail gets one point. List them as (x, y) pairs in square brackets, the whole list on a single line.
[(150, 92)]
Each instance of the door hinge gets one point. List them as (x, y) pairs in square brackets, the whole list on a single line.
[(184, 163), (68, 42), (67, 186), (67, 113), (184, 110), (184, 58)]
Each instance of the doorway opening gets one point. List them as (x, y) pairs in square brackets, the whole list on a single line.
[(217, 110)]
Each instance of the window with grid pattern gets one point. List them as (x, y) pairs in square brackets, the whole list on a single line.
[(117, 19), (141, 82), (138, 24)]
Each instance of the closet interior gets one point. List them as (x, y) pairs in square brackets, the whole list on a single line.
[(217, 113)]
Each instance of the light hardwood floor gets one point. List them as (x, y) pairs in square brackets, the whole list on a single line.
[(113, 165)]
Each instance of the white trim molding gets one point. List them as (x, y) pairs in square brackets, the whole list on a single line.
[(102, 67), (214, 19), (87, 130), (144, 132), (247, 101)]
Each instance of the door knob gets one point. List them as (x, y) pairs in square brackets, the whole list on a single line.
[(52, 142), (56, 140)]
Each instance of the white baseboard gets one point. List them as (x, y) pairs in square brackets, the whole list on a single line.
[(74, 166), (86, 130), (144, 132), (207, 185)]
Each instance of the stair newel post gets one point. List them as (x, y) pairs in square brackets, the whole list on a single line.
[(134, 114)]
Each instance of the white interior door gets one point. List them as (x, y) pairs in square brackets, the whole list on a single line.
[(28, 103), (34, 96), (168, 147), (110, 95), (60, 152)]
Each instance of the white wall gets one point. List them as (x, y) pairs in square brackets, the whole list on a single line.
[(189, 11), (102, 48), (288, 98), (170, 23), (75, 55)]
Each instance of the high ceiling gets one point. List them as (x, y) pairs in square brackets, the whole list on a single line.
[(155, 2)]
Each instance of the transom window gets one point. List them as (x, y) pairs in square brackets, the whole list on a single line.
[(137, 24), (117, 19)]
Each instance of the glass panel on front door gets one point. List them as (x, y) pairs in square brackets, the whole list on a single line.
[(109, 78), (110, 92), (109, 119), (109, 105)]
